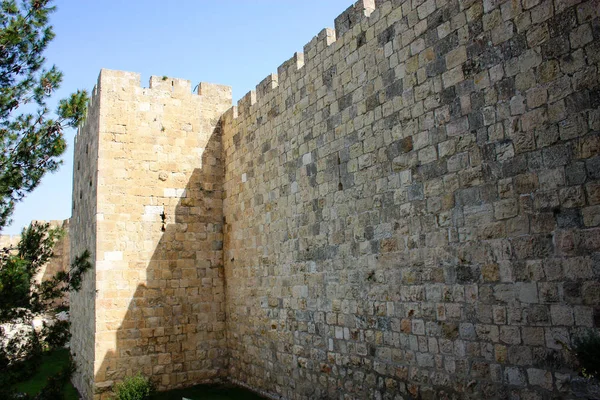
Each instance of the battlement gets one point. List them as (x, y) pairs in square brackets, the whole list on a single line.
[(54, 223), (129, 81), (353, 16), (174, 85), (125, 84), (294, 69), (94, 98), (290, 66), (407, 208), (147, 174), (214, 91)]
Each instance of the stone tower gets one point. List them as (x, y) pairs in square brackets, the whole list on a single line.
[(147, 204), (409, 208)]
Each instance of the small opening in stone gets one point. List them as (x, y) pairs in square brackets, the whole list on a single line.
[(339, 163)]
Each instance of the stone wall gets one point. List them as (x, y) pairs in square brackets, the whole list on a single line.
[(61, 259), (155, 223), (409, 208), (83, 237), (412, 204)]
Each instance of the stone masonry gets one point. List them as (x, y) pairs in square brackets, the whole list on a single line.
[(410, 208), (148, 205)]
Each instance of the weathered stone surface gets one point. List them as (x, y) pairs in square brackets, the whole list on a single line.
[(147, 204), (414, 202)]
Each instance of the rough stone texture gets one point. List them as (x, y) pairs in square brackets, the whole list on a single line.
[(410, 210), (82, 310), (150, 207), (413, 210)]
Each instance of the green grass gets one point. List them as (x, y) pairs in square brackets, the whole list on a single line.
[(51, 363), (208, 392)]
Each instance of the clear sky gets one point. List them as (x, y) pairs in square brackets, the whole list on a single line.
[(231, 42)]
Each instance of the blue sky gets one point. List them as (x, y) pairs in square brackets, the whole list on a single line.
[(231, 42)]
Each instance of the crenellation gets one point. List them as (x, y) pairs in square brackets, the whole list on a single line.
[(153, 148), (317, 44), (230, 114), (353, 16), (118, 80), (408, 208), (215, 91), (178, 87), (291, 66), (266, 86), (245, 103), (91, 103)]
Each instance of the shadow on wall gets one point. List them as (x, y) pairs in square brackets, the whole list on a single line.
[(174, 327)]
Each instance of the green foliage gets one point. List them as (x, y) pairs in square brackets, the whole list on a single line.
[(49, 381), (22, 299), (587, 351), (18, 270), (30, 141), (136, 387), (20, 296), (73, 109), (54, 388), (57, 334), (18, 356)]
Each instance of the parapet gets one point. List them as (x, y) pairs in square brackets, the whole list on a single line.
[(131, 80), (219, 93), (267, 84), (353, 16), (324, 39), (295, 67), (230, 114), (245, 102), (290, 66), (167, 84), (13, 240), (120, 79), (124, 83)]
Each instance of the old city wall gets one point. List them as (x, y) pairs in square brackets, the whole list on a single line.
[(412, 204), (154, 223), (82, 234), (61, 258)]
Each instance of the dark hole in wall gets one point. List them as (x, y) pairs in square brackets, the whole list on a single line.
[(339, 163)]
